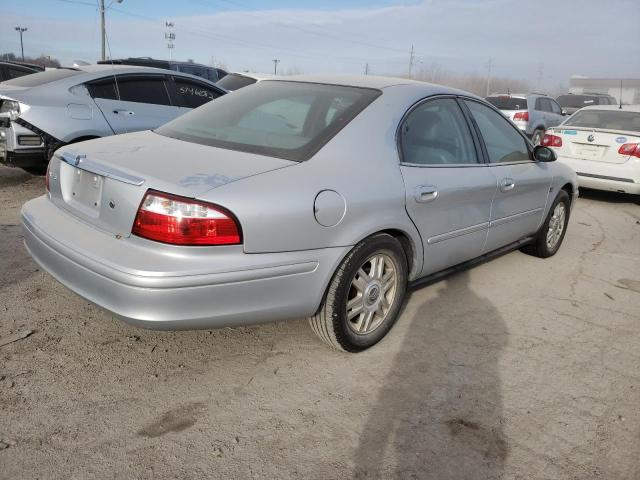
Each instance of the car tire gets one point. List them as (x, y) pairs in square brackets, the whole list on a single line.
[(537, 136), (550, 236), (373, 300)]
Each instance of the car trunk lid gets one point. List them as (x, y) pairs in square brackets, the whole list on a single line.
[(598, 145), (103, 181)]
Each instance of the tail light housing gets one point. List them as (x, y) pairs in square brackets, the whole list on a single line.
[(183, 221), (521, 116), (551, 140), (630, 149)]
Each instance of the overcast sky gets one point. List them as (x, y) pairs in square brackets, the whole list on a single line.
[(522, 38)]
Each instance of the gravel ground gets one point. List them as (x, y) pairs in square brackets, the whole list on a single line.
[(518, 369)]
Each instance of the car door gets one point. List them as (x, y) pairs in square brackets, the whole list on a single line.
[(188, 93), (523, 184), (448, 189), (132, 103)]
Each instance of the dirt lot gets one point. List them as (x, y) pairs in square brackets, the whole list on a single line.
[(518, 369)]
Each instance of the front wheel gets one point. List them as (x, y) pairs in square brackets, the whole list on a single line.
[(365, 295), (550, 236)]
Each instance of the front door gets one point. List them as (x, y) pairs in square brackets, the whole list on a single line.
[(523, 184), (448, 189)]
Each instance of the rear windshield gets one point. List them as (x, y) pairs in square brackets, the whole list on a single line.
[(40, 78), (578, 101), (290, 120), (606, 119), (233, 81), (504, 102)]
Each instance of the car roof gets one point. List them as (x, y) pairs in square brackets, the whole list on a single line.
[(625, 108), (363, 81), (22, 64)]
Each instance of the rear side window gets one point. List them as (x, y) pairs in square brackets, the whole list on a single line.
[(104, 89), (436, 133), (607, 119), (42, 78), (503, 142), (190, 94), (143, 90), (289, 120), (543, 104), (505, 102), (233, 81)]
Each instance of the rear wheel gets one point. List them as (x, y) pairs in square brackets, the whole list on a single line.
[(550, 236), (364, 296), (536, 138)]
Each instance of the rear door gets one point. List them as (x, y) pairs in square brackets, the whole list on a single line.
[(131, 103), (448, 189), (523, 184)]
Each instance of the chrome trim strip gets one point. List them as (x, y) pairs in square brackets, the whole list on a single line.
[(457, 233), (81, 162), (605, 177), (511, 218)]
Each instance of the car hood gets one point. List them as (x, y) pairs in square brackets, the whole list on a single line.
[(171, 165)]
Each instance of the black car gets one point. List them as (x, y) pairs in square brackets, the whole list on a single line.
[(210, 73), (9, 69), (572, 102)]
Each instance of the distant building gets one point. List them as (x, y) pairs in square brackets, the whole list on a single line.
[(630, 87)]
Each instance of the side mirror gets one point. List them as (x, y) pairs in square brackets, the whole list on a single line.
[(564, 113), (544, 154)]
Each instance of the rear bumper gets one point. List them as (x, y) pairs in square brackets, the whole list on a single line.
[(614, 177), (259, 288)]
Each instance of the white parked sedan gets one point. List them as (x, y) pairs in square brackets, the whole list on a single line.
[(602, 144)]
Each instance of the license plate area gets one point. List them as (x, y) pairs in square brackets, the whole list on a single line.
[(589, 152), (81, 190)]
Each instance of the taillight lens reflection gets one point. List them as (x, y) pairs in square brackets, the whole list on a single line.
[(630, 149), (182, 221), (551, 140)]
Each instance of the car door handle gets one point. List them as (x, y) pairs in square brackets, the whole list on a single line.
[(124, 112), (426, 193), (507, 184)]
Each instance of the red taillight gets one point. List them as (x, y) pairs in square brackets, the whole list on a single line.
[(183, 221), (551, 140), (521, 116), (630, 149)]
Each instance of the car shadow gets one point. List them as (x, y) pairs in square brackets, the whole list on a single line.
[(611, 197), (439, 414)]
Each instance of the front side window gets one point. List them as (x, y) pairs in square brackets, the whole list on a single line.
[(555, 108), (436, 133), (190, 94), (289, 120), (503, 142)]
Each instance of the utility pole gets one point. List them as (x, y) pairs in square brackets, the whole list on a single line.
[(275, 66), (411, 60), (488, 78), (170, 36), (21, 30), (103, 30), (366, 69)]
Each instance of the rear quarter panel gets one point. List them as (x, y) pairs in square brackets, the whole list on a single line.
[(276, 209)]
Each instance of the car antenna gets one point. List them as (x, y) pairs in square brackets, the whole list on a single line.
[(620, 94)]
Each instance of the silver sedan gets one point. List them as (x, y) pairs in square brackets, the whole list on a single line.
[(319, 197)]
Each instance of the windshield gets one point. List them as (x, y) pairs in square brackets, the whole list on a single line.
[(233, 81), (606, 119), (40, 78), (504, 102), (290, 120)]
